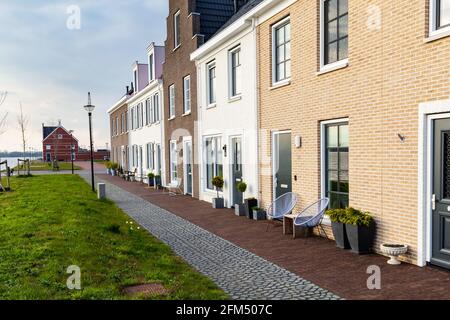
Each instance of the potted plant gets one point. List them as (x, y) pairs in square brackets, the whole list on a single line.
[(360, 227), (239, 208), (217, 182), (114, 167), (108, 167), (157, 181), (249, 204), (151, 179), (338, 227), (259, 214)]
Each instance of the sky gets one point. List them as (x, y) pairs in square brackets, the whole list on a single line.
[(50, 59)]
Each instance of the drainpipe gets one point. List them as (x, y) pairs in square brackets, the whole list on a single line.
[(257, 91)]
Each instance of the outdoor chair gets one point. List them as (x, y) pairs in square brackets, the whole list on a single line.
[(312, 216), (174, 188), (282, 206)]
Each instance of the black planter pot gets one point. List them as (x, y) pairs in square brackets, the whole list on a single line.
[(218, 203), (239, 209), (361, 238), (340, 235), (151, 182), (156, 182), (259, 215), (249, 204)]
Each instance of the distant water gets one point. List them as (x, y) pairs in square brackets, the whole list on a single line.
[(12, 162)]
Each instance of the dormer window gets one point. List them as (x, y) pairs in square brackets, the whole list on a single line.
[(176, 29), (151, 67), (135, 81)]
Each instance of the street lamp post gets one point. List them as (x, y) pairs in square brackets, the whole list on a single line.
[(90, 108)]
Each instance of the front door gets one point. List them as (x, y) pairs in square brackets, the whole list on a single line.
[(282, 164), (441, 194), (188, 167), (141, 164), (48, 157), (236, 171)]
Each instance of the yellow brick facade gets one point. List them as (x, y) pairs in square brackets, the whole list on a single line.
[(391, 71)]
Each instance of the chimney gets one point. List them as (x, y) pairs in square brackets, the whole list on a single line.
[(128, 90), (132, 87), (59, 122)]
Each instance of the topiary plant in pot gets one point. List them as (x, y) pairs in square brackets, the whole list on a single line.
[(151, 179), (157, 181), (114, 167), (338, 227), (239, 208), (360, 227), (217, 182)]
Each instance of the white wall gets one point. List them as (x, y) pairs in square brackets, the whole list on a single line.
[(152, 133), (230, 118)]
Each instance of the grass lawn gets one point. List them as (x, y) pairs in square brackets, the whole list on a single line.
[(49, 223), (43, 166)]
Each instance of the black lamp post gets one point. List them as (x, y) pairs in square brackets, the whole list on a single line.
[(90, 108)]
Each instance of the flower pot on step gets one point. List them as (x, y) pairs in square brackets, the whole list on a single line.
[(249, 205), (239, 210)]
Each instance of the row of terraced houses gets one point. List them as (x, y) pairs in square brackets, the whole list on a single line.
[(345, 99)]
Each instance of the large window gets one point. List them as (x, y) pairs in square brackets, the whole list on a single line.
[(158, 159), (235, 72), (172, 101), (282, 50), (156, 116), (148, 112), (335, 31), (176, 29), (173, 161), (213, 160), (187, 94), (336, 160), (211, 82), (150, 156), (439, 16)]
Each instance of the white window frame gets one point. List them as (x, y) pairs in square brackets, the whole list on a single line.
[(233, 81), (176, 44), (209, 101), (172, 101), (323, 126), (434, 32), (331, 66), (173, 161), (276, 82), (48, 147), (156, 108), (60, 136), (187, 95)]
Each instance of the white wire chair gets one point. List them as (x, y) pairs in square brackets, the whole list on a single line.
[(174, 187), (282, 206), (312, 216)]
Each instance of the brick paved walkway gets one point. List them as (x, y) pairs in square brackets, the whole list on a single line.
[(317, 260), (240, 273)]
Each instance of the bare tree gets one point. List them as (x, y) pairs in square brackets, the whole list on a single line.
[(23, 124), (3, 117)]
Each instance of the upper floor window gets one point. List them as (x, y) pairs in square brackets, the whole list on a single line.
[(235, 72), (122, 123), (334, 31), (172, 101), (156, 113), (148, 112), (187, 94), (281, 33), (439, 16), (135, 81), (176, 29), (60, 136), (151, 67), (211, 82)]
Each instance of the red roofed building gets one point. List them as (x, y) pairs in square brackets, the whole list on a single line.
[(57, 144)]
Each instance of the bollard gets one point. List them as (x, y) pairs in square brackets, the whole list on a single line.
[(101, 191)]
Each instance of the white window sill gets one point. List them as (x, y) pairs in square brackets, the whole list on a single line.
[(438, 34), (280, 84), (212, 105), (171, 118), (235, 98), (186, 114), (333, 67)]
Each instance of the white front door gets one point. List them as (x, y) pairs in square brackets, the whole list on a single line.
[(187, 160)]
